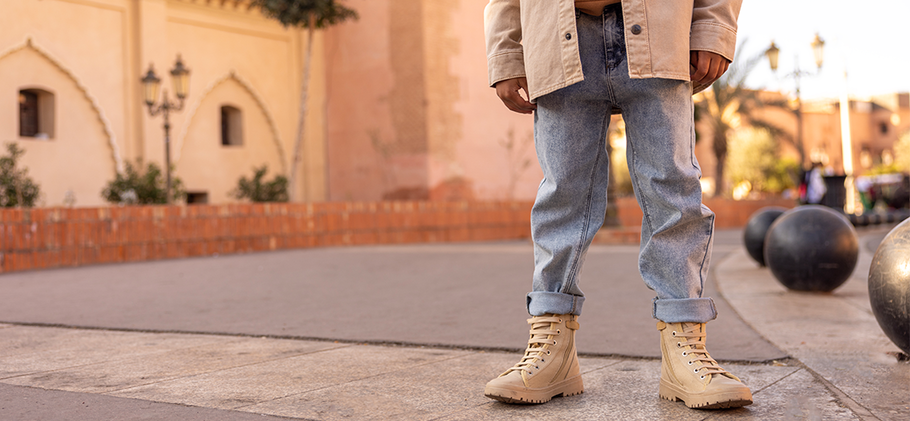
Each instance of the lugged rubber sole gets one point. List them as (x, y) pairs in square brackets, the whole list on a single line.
[(728, 399), (568, 387)]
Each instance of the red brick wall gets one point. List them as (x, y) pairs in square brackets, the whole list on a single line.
[(729, 213), (55, 237)]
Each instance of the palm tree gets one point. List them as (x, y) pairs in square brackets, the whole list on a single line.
[(727, 104), (312, 15)]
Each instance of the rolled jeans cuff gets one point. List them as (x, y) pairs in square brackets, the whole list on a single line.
[(695, 310), (545, 302)]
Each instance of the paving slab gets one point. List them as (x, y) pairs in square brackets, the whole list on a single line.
[(122, 371), (316, 380), (25, 350), (32, 404), (459, 295), (834, 334), (269, 380), (798, 396)]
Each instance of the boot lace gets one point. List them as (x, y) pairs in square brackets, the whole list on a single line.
[(694, 336), (542, 332)]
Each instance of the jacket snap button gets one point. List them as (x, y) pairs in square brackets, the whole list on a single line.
[(636, 29), (568, 36)]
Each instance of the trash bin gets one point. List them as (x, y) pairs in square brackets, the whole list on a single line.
[(836, 196)]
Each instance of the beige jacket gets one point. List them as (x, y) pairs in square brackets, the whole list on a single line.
[(537, 39)]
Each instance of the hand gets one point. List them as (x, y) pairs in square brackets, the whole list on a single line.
[(508, 92), (706, 67)]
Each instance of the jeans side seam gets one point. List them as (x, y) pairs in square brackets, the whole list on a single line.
[(573, 272), (692, 140), (704, 260), (633, 173)]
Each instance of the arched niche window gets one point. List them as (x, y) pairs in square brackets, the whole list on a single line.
[(36, 113), (231, 126)]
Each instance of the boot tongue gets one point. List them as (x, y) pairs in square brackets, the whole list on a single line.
[(541, 330), (698, 329)]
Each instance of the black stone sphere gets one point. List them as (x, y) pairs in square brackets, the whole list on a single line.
[(811, 248), (889, 285), (757, 228)]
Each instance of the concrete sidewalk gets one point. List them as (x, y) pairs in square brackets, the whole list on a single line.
[(413, 333)]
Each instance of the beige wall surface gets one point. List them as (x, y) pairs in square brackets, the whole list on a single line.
[(486, 128), (89, 121), (205, 165), (375, 103), (91, 54), (410, 111), (78, 158)]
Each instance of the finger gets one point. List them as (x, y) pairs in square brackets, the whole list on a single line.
[(524, 86), (712, 65), (509, 92), (518, 104), (513, 101), (714, 72), (702, 65), (693, 64)]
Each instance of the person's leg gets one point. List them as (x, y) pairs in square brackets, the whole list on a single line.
[(570, 127), (676, 229), (676, 239)]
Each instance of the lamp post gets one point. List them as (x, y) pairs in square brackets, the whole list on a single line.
[(180, 78), (818, 50)]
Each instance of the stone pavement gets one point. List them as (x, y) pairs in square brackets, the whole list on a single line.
[(413, 333)]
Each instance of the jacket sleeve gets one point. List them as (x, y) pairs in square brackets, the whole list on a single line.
[(502, 30), (714, 26)]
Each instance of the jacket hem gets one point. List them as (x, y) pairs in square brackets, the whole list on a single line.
[(505, 65), (543, 91)]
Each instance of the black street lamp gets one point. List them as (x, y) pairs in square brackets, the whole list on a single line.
[(180, 76), (818, 49)]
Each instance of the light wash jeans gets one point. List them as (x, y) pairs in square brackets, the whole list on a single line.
[(570, 128)]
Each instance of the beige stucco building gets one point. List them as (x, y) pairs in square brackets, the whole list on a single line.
[(398, 102), (82, 60)]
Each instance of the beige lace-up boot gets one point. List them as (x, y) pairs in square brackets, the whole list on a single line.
[(549, 367), (688, 373)]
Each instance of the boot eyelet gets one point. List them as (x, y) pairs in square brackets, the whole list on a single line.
[(678, 345), (554, 342), (702, 377), (685, 353), (557, 331), (673, 333), (690, 362), (548, 352), (696, 371)]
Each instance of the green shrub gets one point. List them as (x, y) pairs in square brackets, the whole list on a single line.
[(753, 156), (16, 188), (135, 188), (258, 190)]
